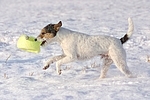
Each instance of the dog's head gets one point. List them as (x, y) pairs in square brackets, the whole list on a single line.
[(48, 32)]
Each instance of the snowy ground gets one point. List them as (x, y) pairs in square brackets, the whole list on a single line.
[(21, 74)]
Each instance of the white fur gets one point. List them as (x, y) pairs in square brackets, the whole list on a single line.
[(80, 46), (130, 27)]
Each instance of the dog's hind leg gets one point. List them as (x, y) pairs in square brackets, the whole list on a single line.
[(107, 61), (118, 55), (52, 60)]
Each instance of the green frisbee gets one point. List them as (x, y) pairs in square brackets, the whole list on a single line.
[(28, 43)]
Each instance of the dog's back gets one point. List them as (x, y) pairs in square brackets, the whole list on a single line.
[(85, 46)]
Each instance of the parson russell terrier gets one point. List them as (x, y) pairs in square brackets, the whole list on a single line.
[(80, 46)]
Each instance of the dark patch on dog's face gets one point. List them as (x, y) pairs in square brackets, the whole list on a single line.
[(49, 31)]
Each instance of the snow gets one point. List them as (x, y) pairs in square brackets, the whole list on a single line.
[(21, 74)]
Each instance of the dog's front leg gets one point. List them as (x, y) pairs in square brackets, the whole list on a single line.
[(52, 60), (65, 60)]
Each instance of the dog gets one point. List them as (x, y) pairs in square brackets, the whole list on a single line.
[(80, 46)]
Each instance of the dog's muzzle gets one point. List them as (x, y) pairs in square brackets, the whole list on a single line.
[(43, 42)]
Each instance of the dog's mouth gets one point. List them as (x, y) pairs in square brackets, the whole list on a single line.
[(43, 42)]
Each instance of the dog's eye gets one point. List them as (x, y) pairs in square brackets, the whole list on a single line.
[(42, 33)]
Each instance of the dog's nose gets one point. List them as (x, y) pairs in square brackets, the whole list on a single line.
[(35, 39)]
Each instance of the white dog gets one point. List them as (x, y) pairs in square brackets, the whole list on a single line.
[(80, 46)]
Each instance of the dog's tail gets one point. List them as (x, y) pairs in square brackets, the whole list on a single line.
[(129, 32)]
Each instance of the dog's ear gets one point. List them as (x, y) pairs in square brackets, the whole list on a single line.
[(57, 26)]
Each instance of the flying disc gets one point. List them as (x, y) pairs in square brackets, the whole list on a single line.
[(28, 43)]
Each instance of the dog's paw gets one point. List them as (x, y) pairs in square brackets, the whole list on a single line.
[(45, 67), (131, 76), (59, 72), (102, 77)]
